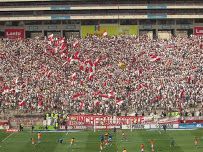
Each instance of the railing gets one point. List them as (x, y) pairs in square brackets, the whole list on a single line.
[(99, 7)]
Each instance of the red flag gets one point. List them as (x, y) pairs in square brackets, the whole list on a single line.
[(74, 76), (96, 62), (82, 105), (154, 58), (22, 103), (182, 93), (90, 78), (63, 47), (40, 104), (76, 55), (157, 98), (89, 63), (5, 90), (51, 37), (112, 94), (76, 43), (77, 95), (104, 95), (119, 101)]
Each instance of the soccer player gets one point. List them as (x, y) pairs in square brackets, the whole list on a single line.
[(142, 147), (152, 144), (72, 142), (60, 140), (124, 136), (172, 143), (196, 141), (124, 150), (101, 138), (33, 128), (110, 139), (164, 127), (101, 146), (106, 135), (33, 141), (114, 129), (39, 137)]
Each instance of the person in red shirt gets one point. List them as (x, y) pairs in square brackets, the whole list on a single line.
[(142, 147)]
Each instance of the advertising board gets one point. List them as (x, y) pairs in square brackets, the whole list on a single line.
[(190, 126), (150, 126), (14, 33), (198, 30)]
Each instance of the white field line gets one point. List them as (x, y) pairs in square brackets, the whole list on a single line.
[(7, 137)]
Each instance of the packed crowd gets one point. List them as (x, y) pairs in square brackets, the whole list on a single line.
[(104, 75)]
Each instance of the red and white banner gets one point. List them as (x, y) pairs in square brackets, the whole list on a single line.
[(11, 130), (103, 120), (14, 33), (4, 124), (198, 30)]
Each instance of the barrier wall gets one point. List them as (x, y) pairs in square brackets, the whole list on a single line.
[(160, 126), (14, 33)]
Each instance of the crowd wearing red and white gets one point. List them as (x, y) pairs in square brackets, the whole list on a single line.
[(103, 75)]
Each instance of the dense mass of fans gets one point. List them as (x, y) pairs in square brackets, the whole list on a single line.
[(103, 75)]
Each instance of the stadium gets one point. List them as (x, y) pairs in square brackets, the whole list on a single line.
[(101, 75)]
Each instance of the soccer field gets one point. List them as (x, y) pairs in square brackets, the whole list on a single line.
[(88, 141)]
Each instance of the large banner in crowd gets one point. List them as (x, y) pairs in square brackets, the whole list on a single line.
[(103, 120), (111, 29), (4, 124), (14, 33), (198, 30)]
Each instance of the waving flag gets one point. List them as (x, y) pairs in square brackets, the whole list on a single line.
[(51, 37), (82, 105), (73, 77), (119, 101), (76, 43), (76, 95), (154, 58), (182, 93), (22, 103)]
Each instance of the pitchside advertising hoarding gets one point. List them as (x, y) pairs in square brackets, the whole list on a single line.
[(198, 30), (14, 33), (191, 126)]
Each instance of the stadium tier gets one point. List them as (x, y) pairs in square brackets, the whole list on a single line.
[(68, 18), (101, 75)]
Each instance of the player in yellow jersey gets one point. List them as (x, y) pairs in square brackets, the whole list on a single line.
[(72, 141), (152, 144), (124, 137), (124, 150), (196, 141), (101, 146)]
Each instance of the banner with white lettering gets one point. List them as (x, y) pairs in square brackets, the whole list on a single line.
[(198, 30), (14, 33), (102, 120)]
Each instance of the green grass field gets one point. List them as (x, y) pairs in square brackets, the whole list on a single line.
[(88, 141)]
